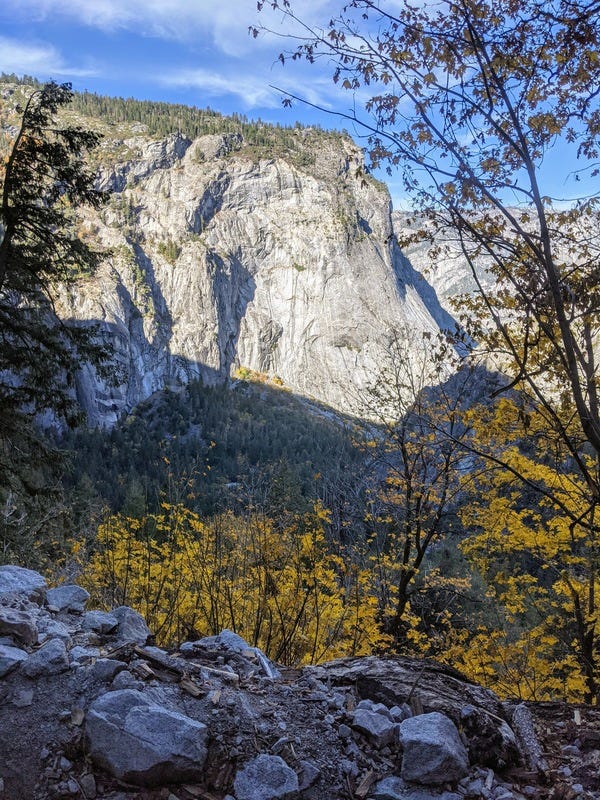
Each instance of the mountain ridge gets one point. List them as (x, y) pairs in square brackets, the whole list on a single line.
[(272, 251)]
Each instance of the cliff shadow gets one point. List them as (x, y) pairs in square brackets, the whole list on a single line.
[(407, 275), (233, 290)]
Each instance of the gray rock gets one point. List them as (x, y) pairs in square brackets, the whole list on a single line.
[(143, 743), (394, 788), (309, 774), (22, 698), (280, 744), (131, 625), (64, 764), (228, 640), (570, 750), (266, 778), (10, 658), (337, 702), (353, 750), (99, 622), (390, 788), (83, 655), (433, 750), (473, 788), (105, 669), (88, 785), (502, 793), (318, 697), (50, 659), (365, 704), (377, 708), (126, 680), (18, 580), (57, 630), (68, 597), (378, 727), (349, 768), (18, 624), (400, 713), (564, 771)]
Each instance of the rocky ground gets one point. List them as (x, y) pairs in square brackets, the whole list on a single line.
[(90, 709)]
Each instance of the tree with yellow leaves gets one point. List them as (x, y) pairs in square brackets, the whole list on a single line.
[(416, 462), (535, 540), (470, 101), (282, 590)]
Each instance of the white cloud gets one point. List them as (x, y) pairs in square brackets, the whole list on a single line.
[(224, 22), (36, 58), (251, 91), (255, 87), (215, 54)]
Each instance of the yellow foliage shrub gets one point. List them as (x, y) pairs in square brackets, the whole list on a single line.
[(282, 590), (538, 552), (524, 668)]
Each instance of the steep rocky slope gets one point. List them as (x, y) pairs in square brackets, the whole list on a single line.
[(224, 258), (448, 274), (89, 709)]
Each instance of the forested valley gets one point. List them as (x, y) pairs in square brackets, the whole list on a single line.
[(460, 525)]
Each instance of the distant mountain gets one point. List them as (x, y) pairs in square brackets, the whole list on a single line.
[(246, 247), (449, 274)]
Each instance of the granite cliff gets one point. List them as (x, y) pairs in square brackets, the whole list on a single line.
[(221, 258)]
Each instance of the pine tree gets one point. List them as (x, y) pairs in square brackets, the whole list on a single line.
[(43, 180)]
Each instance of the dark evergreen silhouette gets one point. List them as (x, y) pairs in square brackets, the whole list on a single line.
[(43, 179)]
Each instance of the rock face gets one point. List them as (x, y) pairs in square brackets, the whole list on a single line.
[(432, 751), (92, 712), (222, 260), (140, 742), (449, 274)]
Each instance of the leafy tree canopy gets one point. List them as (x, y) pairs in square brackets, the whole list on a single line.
[(467, 98)]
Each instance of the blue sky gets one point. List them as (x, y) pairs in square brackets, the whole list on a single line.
[(197, 52), (191, 51)]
